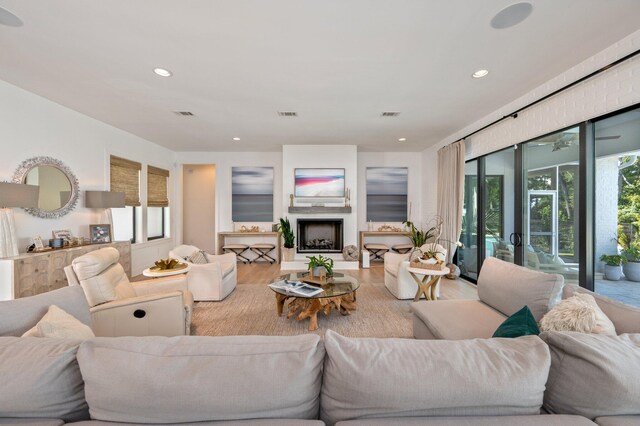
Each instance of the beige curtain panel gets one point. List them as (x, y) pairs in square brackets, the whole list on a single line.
[(451, 194), (125, 177), (157, 183)]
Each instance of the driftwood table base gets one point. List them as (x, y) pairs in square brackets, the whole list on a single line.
[(309, 308)]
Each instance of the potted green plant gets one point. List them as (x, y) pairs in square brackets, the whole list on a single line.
[(613, 266), (288, 250), (319, 264), (632, 267), (419, 237)]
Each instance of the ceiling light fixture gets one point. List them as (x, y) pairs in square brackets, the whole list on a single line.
[(480, 73), (162, 72), (511, 15), (236, 139), (9, 19), (402, 139)]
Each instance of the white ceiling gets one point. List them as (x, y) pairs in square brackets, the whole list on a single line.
[(338, 63)]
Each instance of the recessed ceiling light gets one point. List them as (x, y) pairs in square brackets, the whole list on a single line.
[(236, 139), (512, 15), (480, 73), (9, 19), (402, 139), (162, 72)]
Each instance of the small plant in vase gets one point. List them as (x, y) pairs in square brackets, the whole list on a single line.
[(419, 237), (284, 227), (320, 266), (613, 266)]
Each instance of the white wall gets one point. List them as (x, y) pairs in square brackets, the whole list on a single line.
[(324, 156), (224, 161), (611, 90), (34, 126)]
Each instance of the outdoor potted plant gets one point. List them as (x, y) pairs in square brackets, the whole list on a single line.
[(320, 266), (288, 250), (613, 266), (632, 267)]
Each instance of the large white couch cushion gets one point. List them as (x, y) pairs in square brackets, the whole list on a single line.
[(367, 378), (593, 375), (40, 378), (536, 420), (197, 379), (508, 288)]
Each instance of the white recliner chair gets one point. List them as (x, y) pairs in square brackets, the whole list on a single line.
[(157, 307), (212, 281), (396, 276)]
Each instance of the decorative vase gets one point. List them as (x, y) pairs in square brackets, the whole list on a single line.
[(632, 271), (612, 273), (288, 254), (319, 271)]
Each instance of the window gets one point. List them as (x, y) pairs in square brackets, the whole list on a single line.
[(125, 177), (387, 189), (157, 202)]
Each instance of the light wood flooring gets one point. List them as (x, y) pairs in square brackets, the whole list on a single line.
[(261, 273)]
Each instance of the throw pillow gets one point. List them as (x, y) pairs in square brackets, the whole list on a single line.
[(198, 257), (522, 323), (58, 323), (578, 313)]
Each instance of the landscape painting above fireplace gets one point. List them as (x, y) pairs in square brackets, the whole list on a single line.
[(319, 183)]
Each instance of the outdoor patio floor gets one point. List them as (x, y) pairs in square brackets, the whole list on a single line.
[(624, 291)]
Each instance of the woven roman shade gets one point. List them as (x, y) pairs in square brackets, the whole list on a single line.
[(125, 177), (157, 180)]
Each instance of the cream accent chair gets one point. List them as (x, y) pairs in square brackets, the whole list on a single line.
[(157, 307), (212, 281), (396, 276)]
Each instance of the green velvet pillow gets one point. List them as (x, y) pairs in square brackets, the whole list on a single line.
[(522, 323)]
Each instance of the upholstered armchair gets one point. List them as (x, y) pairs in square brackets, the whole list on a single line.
[(157, 307), (211, 281), (396, 276)]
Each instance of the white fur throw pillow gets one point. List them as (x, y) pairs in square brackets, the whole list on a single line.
[(58, 323), (578, 313)]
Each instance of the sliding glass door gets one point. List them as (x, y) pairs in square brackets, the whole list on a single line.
[(467, 256), (498, 205), (550, 199), (617, 206)]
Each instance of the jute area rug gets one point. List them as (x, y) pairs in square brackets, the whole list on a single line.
[(251, 310)]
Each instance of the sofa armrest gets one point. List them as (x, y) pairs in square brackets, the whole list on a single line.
[(160, 285), (395, 257), (222, 258), (151, 315), (139, 300)]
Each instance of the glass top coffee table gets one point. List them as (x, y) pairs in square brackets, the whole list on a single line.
[(339, 294)]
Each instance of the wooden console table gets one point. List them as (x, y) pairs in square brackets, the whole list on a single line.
[(29, 274), (365, 234), (222, 237)]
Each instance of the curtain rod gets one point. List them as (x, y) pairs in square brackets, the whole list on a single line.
[(514, 114)]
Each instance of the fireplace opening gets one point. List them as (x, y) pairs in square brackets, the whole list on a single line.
[(320, 235)]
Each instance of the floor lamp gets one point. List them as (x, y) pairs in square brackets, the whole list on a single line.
[(13, 195), (104, 200)]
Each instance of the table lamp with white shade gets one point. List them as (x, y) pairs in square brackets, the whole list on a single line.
[(106, 200), (13, 195)]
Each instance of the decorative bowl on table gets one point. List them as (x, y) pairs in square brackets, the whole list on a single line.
[(167, 265)]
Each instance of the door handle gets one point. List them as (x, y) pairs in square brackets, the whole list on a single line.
[(515, 239)]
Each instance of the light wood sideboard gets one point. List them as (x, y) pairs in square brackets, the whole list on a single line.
[(29, 274)]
